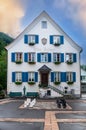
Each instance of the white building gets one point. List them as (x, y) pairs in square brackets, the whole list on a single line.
[(43, 54), (83, 81)]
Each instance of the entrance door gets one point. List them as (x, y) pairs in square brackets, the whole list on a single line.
[(44, 79)]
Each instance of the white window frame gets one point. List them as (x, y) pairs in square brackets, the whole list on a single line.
[(31, 77), (57, 76), (19, 56), (69, 57), (44, 24), (56, 39), (44, 57), (69, 76), (56, 57), (32, 55), (31, 38), (18, 77)]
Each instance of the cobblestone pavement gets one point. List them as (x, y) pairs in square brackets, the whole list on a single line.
[(45, 112)]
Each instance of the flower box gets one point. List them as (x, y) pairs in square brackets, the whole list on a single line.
[(31, 43), (70, 82), (32, 62), (18, 83), (56, 44), (31, 83), (57, 62), (69, 62), (18, 62), (57, 82)]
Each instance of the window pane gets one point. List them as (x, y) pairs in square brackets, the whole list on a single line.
[(31, 39), (44, 57), (31, 77), (18, 56), (56, 39), (18, 76), (57, 76), (69, 57)]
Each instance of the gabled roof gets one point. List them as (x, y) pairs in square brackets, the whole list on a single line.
[(35, 21), (44, 68)]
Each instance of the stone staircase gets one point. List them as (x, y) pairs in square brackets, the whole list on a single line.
[(58, 90)]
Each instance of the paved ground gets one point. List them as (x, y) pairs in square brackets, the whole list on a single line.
[(43, 116)]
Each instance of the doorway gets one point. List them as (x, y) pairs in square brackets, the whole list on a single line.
[(44, 79)]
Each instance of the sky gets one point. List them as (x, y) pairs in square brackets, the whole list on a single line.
[(70, 15)]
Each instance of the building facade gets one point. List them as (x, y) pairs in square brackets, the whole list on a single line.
[(43, 54), (83, 81)]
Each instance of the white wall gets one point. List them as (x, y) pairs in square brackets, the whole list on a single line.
[(21, 47)]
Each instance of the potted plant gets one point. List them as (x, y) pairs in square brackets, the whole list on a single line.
[(31, 83), (18, 82), (57, 82), (18, 62), (31, 43), (69, 62), (57, 62), (56, 44), (70, 82), (31, 62)]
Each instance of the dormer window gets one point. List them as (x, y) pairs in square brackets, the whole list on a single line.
[(44, 24)]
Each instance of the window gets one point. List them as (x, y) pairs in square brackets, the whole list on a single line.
[(69, 57), (18, 57), (83, 78), (44, 57), (31, 38), (44, 24), (18, 77), (69, 77), (56, 39), (57, 57), (31, 76), (31, 57), (57, 77)]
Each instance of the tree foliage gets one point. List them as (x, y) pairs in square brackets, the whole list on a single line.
[(4, 40)]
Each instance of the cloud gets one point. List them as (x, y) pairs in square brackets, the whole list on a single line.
[(11, 13), (73, 9)]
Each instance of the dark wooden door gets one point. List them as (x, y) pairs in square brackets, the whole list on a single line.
[(44, 79)]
